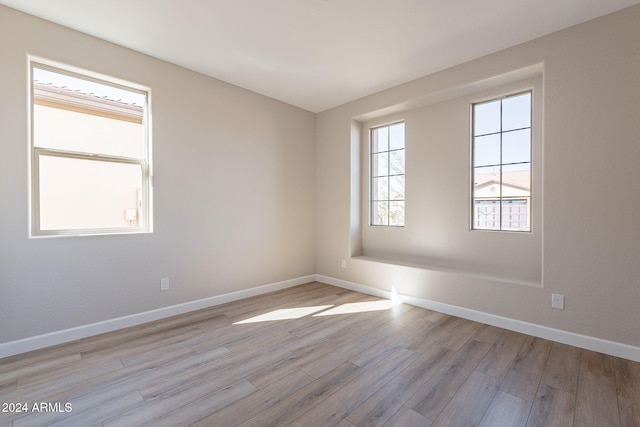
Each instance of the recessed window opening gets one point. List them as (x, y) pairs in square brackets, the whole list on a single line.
[(388, 175), (90, 154), (501, 164)]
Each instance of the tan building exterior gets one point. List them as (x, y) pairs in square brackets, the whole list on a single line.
[(80, 193)]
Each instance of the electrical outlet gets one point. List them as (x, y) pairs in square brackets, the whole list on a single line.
[(164, 284), (557, 301), (343, 263)]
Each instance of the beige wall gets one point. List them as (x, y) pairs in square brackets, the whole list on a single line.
[(587, 241), (234, 204)]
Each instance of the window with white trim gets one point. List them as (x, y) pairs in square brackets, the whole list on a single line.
[(388, 175), (90, 154), (501, 164)]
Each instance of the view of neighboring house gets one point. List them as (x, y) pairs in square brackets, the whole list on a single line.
[(515, 191)]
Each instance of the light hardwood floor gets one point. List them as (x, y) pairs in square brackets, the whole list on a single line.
[(317, 355)]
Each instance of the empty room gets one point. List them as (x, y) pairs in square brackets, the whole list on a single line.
[(320, 212)]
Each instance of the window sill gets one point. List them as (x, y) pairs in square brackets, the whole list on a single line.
[(451, 270)]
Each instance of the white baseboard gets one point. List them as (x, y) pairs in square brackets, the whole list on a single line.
[(583, 341), (60, 337)]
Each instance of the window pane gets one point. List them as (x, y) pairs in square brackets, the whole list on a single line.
[(515, 214), (76, 114), (396, 213), (380, 213), (516, 112), (486, 150), (396, 136), (486, 182), (396, 187), (77, 84), (380, 164), (380, 140), (516, 146), (486, 214), (73, 131), (486, 118), (380, 190), (88, 194), (517, 176), (396, 162)]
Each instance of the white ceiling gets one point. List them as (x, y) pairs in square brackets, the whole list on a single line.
[(317, 54)]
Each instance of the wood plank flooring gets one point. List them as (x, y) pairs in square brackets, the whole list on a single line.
[(317, 355)]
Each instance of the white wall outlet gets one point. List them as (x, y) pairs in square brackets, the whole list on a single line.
[(164, 284), (343, 263), (557, 301)]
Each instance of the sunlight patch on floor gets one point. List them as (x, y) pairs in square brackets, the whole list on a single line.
[(326, 310), (285, 314), (359, 307)]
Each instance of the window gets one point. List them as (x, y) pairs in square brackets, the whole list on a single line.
[(90, 154), (387, 175), (502, 164)]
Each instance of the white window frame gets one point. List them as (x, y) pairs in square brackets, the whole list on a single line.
[(372, 200), (532, 157), (145, 215)]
